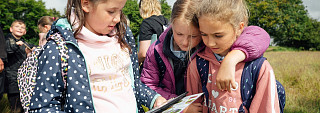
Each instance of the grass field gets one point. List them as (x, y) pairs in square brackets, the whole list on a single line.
[(299, 73)]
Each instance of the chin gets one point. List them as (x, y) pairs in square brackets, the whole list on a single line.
[(184, 49)]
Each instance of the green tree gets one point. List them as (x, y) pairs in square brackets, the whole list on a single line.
[(165, 9), (285, 20), (131, 10), (27, 10)]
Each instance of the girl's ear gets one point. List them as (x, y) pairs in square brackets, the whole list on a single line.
[(240, 28), (85, 4), (47, 27)]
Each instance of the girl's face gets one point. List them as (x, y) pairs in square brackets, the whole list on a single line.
[(185, 36), (102, 18), (218, 35)]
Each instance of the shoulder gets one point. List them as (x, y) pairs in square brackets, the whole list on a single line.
[(151, 20)]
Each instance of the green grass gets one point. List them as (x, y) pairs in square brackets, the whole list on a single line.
[(299, 73), (4, 104)]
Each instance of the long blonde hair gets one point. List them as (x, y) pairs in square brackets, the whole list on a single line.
[(232, 11), (148, 8)]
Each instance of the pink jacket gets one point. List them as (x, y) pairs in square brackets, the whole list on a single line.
[(264, 101), (254, 41)]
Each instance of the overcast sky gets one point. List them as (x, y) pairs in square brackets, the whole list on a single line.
[(312, 6)]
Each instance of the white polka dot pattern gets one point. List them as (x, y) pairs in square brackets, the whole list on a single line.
[(78, 94)]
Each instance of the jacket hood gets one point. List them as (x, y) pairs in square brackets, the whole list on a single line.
[(63, 27)]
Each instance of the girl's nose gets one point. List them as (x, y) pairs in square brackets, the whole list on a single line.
[(186, 41), (211, 42), (116, 19)]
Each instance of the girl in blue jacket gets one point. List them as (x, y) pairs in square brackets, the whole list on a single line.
[(102, 73)]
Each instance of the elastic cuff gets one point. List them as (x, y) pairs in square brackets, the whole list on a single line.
[(154, 100)]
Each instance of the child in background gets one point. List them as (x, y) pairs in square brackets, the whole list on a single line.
[(44, 25), (167, 60), (17, 50), (103, 74), (221, 23)]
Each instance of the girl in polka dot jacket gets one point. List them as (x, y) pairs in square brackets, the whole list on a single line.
[(102, 74)]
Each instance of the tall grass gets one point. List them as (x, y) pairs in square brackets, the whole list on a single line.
[(4, 104), (299, 73)]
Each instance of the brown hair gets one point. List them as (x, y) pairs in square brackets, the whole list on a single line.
[(19, 22), (232, 11), (46, 20), (74, 6), (148, 8)]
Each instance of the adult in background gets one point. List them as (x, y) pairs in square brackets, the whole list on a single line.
[(153, 23)]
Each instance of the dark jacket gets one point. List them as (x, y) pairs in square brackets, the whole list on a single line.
[(15, 56), (48, 94), (3, 53), (152, 25), (3, 56)]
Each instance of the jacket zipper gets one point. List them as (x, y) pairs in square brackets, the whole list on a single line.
[(86, 71)]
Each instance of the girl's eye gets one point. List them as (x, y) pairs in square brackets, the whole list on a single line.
[(111, 12), (219, 36), (194, 36), (202, 34)]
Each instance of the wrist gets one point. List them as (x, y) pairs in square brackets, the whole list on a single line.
[(235, 56)]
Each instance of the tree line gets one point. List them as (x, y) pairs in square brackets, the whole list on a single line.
[(286, 21)]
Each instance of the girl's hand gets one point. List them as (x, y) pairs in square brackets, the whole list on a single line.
[(159, 101), (226, 74), (193, 108)]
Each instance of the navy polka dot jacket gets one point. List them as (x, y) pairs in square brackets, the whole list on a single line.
[(47, 96)]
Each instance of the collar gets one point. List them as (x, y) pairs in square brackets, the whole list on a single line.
[(218, 57), (87, 36)]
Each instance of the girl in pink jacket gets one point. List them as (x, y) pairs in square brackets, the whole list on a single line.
[(222, 23), (167, 59)]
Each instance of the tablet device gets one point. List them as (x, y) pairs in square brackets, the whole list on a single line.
[(168, 104)]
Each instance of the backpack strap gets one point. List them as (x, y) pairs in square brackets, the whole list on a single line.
[(161, 66), (203, 70), (63, 50), (281, 96), (249, 79)]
